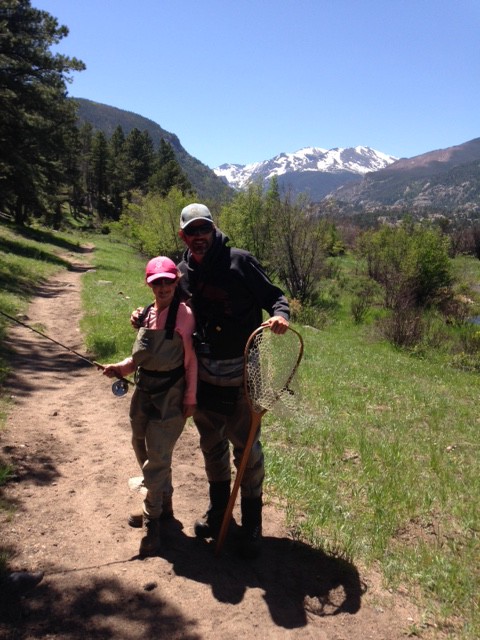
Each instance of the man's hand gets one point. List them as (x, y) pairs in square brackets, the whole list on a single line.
[(135, 316), (277, 324), (188, 410)]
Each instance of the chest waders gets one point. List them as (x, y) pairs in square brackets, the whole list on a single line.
[(156, 353), (156, 413)]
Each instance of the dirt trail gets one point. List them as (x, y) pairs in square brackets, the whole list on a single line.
[(68, 439)]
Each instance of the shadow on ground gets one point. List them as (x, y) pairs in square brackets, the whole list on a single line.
[(294, 577), (104, 608), (296, 581), (30, 360), (47, 236)]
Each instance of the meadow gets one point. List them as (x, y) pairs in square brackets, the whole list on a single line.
[(378, 463)]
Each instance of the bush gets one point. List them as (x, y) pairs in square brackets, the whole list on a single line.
[(456, 308), (308, 315), (469, 338), (409, 262), (466, 362), (364, 292)]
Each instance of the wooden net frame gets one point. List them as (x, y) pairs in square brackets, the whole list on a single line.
[(270, 364)]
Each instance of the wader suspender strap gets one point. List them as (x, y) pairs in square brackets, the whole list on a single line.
[(175, 374), (171, 317)]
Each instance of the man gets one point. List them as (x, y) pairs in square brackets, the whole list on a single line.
[(228, 290)]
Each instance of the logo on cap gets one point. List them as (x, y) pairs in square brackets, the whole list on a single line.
[(160, 267)]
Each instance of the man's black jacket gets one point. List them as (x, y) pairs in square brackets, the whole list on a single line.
[(228, 291)]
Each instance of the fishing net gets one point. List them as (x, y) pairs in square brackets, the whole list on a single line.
[(271, 362)]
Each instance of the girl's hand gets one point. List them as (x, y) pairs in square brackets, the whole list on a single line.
[(112, 371)]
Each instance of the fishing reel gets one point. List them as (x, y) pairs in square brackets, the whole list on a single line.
[(120, 388)]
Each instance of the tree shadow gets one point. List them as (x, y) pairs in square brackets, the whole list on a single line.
[(35, 462), (32, 252), (95, 608), (31, 359), (15, 279), (48, 237)]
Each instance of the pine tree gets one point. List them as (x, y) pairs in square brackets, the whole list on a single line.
[(168, 172), (99, 171), (117, 172), (139, 159), (36, 119), (83, 195)]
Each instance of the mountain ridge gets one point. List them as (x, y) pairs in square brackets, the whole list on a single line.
[(313, 170), (447, 179), (106, 118), (355, 178)]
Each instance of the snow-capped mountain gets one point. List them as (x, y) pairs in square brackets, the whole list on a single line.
[(310, 170)]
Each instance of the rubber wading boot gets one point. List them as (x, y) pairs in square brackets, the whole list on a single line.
[(151, 543), (251, 533), (135, 520), (209, 526)]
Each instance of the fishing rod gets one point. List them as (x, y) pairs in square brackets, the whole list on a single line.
[(119, 387)]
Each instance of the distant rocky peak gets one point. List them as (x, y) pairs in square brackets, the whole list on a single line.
[(353, 160)]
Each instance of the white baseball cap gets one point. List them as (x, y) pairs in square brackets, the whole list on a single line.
[(194, 212)]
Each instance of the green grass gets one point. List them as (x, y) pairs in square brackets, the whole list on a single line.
[(110, 293), (381, 463)]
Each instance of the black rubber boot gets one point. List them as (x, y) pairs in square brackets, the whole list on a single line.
[(209, 526), (135, 520), (151, 543), (251, 534)]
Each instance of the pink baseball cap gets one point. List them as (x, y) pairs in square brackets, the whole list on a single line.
[(160, 267)]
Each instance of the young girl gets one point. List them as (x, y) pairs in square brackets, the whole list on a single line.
[(165, 368)]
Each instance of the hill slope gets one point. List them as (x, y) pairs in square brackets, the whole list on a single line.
[(446, 179), (106, 118)]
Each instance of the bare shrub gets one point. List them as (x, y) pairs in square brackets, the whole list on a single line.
[(403, 327), (364, 292), (307, 315)]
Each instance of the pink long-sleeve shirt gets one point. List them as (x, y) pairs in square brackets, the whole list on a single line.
[(185, 326)]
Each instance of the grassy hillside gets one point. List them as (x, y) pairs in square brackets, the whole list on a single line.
[(379, 463)]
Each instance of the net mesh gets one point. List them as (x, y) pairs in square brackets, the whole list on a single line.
[(271, 363)]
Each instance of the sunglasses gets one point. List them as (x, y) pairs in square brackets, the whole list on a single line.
[(164, 281), (200, 230)]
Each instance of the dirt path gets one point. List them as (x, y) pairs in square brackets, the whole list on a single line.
[(68, 438)]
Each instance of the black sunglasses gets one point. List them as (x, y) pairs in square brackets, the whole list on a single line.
[(200, 230)]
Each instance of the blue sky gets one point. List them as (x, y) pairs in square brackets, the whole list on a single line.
[(242, 81)]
